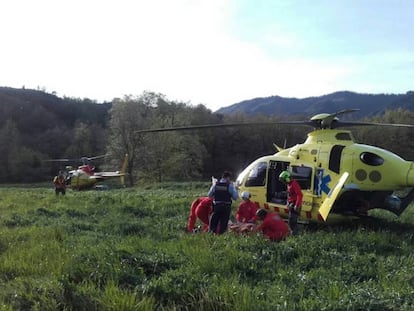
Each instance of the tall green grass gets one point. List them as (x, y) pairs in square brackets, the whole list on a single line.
[(126, 249)]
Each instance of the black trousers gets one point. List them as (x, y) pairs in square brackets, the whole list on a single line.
[(220, 218), (61, 190), (293, 219)]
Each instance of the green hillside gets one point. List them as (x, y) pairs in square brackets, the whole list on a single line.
[(36, 126)]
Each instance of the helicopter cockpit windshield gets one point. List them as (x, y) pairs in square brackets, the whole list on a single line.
[(257, 175)]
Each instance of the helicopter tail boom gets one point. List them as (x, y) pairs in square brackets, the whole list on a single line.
[(410, 175), (396, 204)]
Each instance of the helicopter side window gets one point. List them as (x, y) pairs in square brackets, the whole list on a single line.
[(335, 158), (303, 175), (257, 175), (343, 136)]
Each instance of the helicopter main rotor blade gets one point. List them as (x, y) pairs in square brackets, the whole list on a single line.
[(346, 123), (344, 111), (319, 121), (221, 125), (77, 159), (61, 160), (313, 123), (97, 157)]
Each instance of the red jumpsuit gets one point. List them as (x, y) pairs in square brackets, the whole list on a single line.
[(246, 212), (88, 169), (60, 184), (273, 227), (295, 197), (294, 192), (201, 208)]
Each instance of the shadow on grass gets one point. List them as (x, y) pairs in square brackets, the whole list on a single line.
[(373, 224), (368, 223)]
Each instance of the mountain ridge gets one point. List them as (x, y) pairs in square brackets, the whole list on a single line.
[(368, 104)]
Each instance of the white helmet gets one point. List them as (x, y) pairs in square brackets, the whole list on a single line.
[(245, 195)]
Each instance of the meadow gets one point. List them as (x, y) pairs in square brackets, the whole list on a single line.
[(126, 249)]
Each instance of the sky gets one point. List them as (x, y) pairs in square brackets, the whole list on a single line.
[(210, 52)]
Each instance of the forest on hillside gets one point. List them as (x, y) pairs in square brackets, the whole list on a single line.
[(36, 126)]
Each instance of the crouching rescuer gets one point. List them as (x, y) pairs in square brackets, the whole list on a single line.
[(272, 226), (201, 208)]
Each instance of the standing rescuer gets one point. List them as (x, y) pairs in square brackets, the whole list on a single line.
[(294, 199), (60, 183), (222, 193)]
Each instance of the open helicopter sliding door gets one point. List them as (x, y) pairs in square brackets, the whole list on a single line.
[(276, 190), (332, 196)]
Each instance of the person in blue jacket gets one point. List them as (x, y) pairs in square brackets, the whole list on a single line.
[(222, 192)]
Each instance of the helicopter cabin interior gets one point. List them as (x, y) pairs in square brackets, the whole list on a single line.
[(276, 190)]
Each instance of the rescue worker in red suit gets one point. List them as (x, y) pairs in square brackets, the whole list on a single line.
[(222, 192), (201, 208), (272, 226), (60, 183), (88, 169), (246, 213), (294, 199)]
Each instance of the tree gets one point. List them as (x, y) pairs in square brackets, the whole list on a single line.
[(9, 141), (156, 156), (86, 140), (25, 165), (54, 141), (127, 116), (17, 162), (172, 156), (175, 155)]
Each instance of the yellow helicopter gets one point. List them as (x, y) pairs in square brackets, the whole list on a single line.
[(339, 178), (85, 176)]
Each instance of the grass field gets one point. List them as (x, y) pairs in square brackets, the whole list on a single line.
[(126, 249)]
